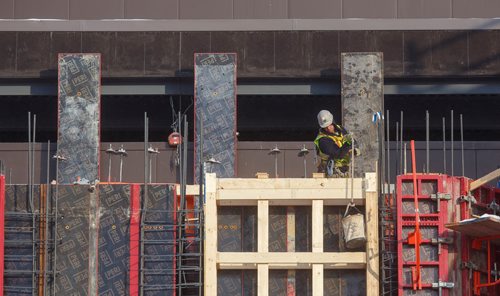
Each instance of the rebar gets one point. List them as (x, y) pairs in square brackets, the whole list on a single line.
[(427, 141), (444, 145), (462, 143), (452, 170)]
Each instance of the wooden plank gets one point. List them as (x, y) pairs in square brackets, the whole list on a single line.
[(287, 183), (317, 226), (479, 227), (190, 190), (277, 260), (485, 179), (263, 226), (317, 280), (210, 246), (295, 193), (289, 202), (372, 244), (262, 280)]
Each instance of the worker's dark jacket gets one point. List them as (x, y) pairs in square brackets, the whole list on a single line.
[(332, 146)]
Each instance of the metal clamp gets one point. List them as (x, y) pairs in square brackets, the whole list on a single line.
[(467, 198), (440, 196), (494, 207), (442, 285), (471, 267), (442, 240)]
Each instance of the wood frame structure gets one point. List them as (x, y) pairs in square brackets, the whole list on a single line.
[(316, 193)]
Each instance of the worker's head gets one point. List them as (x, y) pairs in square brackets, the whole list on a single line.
[(325, 119)]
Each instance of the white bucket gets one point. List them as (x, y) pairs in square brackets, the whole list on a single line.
[(354, 229)]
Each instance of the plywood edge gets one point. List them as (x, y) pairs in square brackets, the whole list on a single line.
[(276, 260)]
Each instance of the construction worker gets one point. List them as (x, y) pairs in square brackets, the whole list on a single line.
[(333, 147)]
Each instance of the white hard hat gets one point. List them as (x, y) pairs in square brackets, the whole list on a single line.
[(325, 118)]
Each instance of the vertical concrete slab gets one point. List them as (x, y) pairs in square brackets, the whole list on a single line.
[(362, 96), (215, 111), (79, 117)]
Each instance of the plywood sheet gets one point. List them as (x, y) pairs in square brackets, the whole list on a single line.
[(114, 236), (487, 225), (215, 110)]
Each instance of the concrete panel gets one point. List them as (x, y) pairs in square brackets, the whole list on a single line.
[(95, 9), (484, 52), (103, 43), (369, 9), (356, 41), (475, 9), (325, 60), (362, 96), (449, 53), (41, 9), (424, 8), (259, 54), (417, 47), (64, 42), (8, 53), (260, 9), (230, 42), (7, 9), (390, 43), (161, 53), (192, 42), (128, 55), (206, 9), (312, 9), (291, 59), (155, 9), (32, 53)]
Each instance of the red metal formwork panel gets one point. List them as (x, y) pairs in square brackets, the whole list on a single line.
[(476, 260), (432, 191)]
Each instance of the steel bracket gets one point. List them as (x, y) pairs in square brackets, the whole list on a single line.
[(442, 240), (467, 198), (440, 285), (438, 197), (494, 207), (470, 266)]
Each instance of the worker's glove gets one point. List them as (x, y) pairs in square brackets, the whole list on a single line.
[(348, 138), (357, 152)]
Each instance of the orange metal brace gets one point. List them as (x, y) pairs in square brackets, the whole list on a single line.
[(477, 245), (415, 238)]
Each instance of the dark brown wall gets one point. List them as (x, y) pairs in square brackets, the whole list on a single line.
[(480, 159), (264, 54), (245, 9)]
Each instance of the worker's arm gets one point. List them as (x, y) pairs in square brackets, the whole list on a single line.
[(327, 146)]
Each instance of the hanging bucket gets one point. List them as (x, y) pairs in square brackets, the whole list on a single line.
[(354, 227)]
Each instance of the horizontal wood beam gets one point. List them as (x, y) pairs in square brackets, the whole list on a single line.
[(289, 260)]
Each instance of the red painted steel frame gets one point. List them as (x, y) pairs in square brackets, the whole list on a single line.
[(432, 220), (2, 231)]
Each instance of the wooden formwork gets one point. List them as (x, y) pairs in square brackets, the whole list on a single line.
[(316, 193)]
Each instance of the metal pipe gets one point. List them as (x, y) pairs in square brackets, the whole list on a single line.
[(47, 212), (398, 162), (452, 170), (180, 220), (56, 198), (32, 203), (201, 201), (401, 139), (29, 156), (444, 145), (145, 204), (427, 141), (388, 155), (404, 159), (462, 143)]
